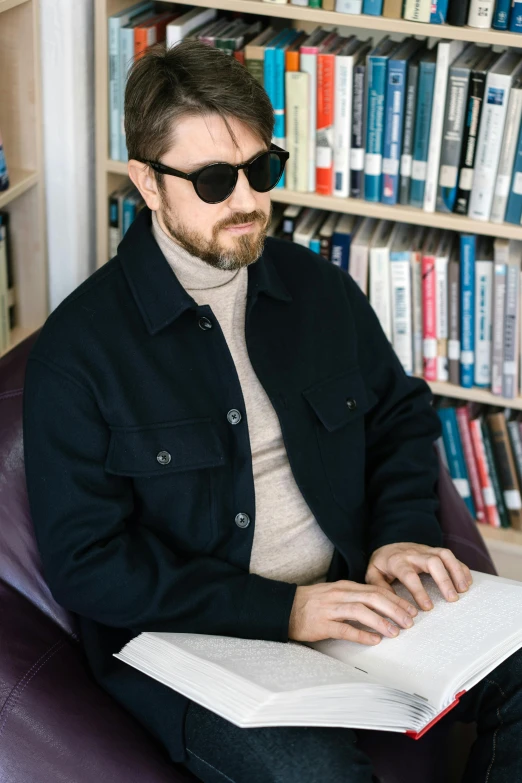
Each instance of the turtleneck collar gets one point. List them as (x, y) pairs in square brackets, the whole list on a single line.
[(192, 272)]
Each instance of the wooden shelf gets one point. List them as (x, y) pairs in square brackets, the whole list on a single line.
[(6, 5), (475, 394), (20, 181), (362, 21), (501, 535)]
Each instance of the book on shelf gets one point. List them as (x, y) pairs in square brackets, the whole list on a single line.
[(7, 298), (4, 174), (501, 15), (403, 684), (481, 13), (377, 67)]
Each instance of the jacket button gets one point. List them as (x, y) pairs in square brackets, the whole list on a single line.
[(163, 457), (352, 404), (234, 416), (242, 520), (205, 323)]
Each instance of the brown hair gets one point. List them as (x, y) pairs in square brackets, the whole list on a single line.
[(190, 78)]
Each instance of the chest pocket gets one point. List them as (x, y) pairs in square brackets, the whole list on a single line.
[(339, 405), (173, 467)]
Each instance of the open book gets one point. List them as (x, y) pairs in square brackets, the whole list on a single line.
[(403, 684)]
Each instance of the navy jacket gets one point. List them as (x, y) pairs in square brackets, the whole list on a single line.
[(141, 488)]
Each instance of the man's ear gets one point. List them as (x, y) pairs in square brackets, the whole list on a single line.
[(142, 176)]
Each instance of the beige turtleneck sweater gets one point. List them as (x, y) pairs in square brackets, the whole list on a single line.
[(288, 543)]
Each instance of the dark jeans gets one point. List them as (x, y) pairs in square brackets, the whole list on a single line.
[(220, 752)]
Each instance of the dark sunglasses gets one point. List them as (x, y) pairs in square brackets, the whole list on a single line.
[(215, 182)]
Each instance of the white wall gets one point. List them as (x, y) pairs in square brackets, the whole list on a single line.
[(67, 41)]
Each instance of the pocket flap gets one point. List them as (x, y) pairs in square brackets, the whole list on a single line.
[(190, 444), (340, 400)]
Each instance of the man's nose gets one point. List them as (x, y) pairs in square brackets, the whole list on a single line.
[(243, 197)]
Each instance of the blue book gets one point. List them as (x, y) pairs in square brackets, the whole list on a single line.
[(515, 20), (269, 69), (394, 118), (341, 241), (315, 244), (468, 251), (372, 7), (455, 455), (377, 69), (421, 139), (279, 92), (126, 60), (129, 209), (514, 205), (501, 14), (439, 11)]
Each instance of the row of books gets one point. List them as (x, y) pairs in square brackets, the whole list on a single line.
[(4, 176), (484, 14), (124, 204), (7, 303), (448, 303), (482, 448)]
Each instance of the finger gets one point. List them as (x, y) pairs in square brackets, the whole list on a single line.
[(374, 577), (366, 616), (340, 630), (438, 571), (410, 579), (460, 573), (355, 590)]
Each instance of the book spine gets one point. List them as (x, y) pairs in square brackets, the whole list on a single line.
[(309, 66), (454, 321), (496, 423), (511, 332), (4, 174), (452, 138), (279, 101), (377, 67), (481, 13), (462, 413), (441, 324), (439, 11), (422, 134), (417, 10), (507, 156), (477, 88), (515, 440), (458, 13), (392, 9), (453, 446), (501, 15), (114, 226), (357, 146), (255, 66), (297, 130), (401, 309), (488, 493), (514, 203), (340, 250), (126, 60), (372, 7), (325, 124), (497, 351), (483, 299), (488, 145), (4, 307), (380, 287), (342, 125), (409, 126), (348, 6), (359, 263), (114, 90), (429, 318), (515, 21), (394, 113), (416, 284), (446, 53), (467, 308)]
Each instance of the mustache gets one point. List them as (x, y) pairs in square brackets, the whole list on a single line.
[(243, 217)]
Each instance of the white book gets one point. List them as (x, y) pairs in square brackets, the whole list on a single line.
[(276, 2), (400, 274), (442, 259), (348, 6), (308, 64), (380, 298), (417, 10), (308, 225), (360, 253), (342, 143), (179, 28), (403, 684), (491, 132), (447, 52), (500, 260), (416, 296), (508, 152), (481, 13), (512, 322), (483, 311), (297, 129), (297, 2)]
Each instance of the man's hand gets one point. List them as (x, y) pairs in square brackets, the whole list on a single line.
[(406, 561)]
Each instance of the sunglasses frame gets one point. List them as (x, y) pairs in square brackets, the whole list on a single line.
[(161, 168)]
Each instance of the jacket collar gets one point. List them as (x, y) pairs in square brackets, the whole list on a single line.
[(158, 293)]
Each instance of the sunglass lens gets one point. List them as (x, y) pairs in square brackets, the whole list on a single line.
[(215, 183), (265, 172)]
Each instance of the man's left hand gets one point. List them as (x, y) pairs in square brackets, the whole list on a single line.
[(406, 561)]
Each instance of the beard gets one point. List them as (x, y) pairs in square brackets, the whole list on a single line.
[(245, 248)]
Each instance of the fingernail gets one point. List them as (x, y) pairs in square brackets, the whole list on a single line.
[(452, 595), (412, 611), (393, 630), (427, 604), (463, 586)]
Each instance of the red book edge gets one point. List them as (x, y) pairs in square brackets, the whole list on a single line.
[(418, 734)]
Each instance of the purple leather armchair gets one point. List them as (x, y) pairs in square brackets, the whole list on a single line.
[(56, 724)]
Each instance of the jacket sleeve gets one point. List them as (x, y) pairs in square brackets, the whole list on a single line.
[(98, 560), (401, 428)]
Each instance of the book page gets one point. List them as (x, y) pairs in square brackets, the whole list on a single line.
[(444, 644)]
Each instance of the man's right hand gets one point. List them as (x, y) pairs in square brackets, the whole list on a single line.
[(323, 611)]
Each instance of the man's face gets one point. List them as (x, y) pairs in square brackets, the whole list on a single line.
[(228, 235)]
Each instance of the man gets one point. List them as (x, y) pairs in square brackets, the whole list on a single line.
[(220, 439)]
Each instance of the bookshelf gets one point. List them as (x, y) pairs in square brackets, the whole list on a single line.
[(505, 546), (20, 125)]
